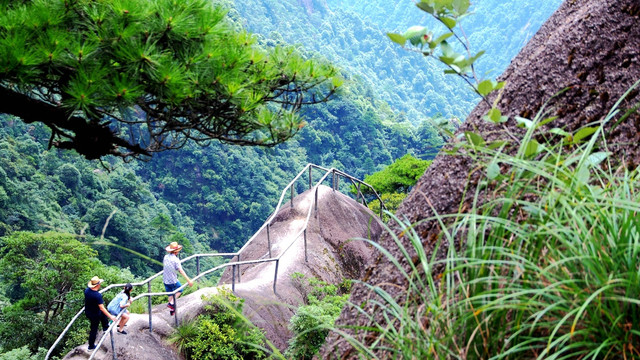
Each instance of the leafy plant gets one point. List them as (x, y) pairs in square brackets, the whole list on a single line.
[(312, 321), (547, 267), (398, 177), (449, 13), (185, 334), (221, 332), (23, 353), (394, 181)]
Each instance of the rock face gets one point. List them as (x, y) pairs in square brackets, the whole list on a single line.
[(591, 48), (332, 256)]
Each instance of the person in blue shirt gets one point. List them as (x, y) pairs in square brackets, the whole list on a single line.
[(120, 303), (94, 310), (172, 266)]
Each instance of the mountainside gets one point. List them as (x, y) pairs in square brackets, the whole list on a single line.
[(589, 49), (218, 195), (331, 258), (213, 197), (353, 34)]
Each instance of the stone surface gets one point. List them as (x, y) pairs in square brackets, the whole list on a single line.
[(589, 48), (332, 257)]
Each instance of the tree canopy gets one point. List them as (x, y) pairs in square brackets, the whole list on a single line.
[(133, 77), (399, 176)]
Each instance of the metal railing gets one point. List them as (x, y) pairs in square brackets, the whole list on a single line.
[(235, 266)]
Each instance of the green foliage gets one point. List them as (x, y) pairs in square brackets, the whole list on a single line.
[(230, 191), (449, 13), (185, 334), (132, 62), (394, 181), (400, 176), (349, 34), (44, 276), (23, 353), (221, 332), (391, 202), (51, 189), (44, 270), (548, 267), (312, 321)]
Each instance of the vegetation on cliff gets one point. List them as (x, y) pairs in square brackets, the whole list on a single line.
[(547, 269), (207, 198)]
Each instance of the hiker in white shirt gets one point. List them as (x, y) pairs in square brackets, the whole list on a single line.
[(170, 276)]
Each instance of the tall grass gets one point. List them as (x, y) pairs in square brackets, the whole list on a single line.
[(548, 266)]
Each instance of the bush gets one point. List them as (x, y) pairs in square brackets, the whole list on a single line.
[(221, 332), (23, 353), (312, 321)]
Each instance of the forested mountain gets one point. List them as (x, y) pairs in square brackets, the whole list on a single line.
[(352, 34), (222, 192), (56, 190), (215, 197)]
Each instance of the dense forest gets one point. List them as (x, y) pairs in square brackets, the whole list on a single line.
[(352, 34), (212, 198)]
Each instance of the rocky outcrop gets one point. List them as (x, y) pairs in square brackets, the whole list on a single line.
[(591, 49), (334, 253)]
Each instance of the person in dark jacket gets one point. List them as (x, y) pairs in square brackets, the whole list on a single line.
[(94, 309)]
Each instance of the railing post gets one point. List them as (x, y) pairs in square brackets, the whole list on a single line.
[(333, 181), (198, 265), (275, 277), (316, 204), (292, 194), (310, 178), (306, 259), (233, 278), (149, 297), (175, 308), (269, 238), (238, 269), (113, 346)]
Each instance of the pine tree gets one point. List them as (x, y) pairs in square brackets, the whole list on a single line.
[(133, 77)]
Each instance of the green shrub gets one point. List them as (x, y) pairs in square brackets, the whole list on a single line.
[(312, 321), (391, 202), (23, 353), (221, 332)]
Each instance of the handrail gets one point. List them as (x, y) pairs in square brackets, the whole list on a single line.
[(236, 264), (284, 193)]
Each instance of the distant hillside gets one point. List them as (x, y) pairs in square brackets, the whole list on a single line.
[(352, 34)]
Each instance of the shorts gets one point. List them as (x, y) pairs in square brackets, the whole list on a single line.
[(172, 287)]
